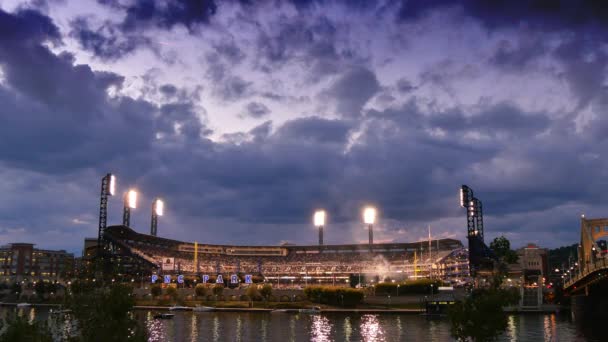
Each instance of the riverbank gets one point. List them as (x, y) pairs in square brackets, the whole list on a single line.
[(324, 310), (240, 306)]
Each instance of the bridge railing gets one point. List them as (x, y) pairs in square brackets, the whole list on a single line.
[(589, 268)]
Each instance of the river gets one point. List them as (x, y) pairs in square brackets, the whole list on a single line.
[(255, 326)]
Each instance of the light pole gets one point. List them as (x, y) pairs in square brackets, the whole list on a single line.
[(369, 217), (129, 203), (108, 188), (158, 208), (319, 221)]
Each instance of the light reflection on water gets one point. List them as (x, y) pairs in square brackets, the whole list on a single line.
[(321, 329), (371, 330), (348, 329), (250, 326)]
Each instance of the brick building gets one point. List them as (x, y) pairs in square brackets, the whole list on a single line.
[(21, 261)]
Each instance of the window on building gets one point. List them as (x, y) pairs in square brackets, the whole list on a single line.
[(597, 229)]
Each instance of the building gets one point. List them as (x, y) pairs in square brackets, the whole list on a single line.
[(293, 263), (533, 268), (23, 262)]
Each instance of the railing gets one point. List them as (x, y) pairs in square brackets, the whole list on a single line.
[(590, 268)]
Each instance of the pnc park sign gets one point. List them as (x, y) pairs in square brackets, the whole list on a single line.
[(219, 279)]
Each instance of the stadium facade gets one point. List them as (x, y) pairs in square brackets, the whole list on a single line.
[(444, 258)]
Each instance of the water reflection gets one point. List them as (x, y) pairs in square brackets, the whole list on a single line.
[(511, 327), (216, 328), (250, 326), (194, 327), (348, 329), (292, 328), (155, 328), (320, 328), (370, 328), (32, 315)]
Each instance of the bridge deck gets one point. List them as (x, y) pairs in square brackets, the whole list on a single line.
[(592, 268)]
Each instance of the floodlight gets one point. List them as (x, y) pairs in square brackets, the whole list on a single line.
[(112, 188), (132, 199), (369, 215), (462, 197), (319, 218), (159, 207)]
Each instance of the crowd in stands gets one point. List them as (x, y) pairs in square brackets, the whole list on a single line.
[(297, 261), (293, 263)]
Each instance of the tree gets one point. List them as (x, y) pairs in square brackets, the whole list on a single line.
[(40, 289), (502, 249), (218, 289), (200, 290), (252, 292), (266, 291), (171, 292), (19, 329), (155, 290), (104, 314), (481, 316), (16, 288)]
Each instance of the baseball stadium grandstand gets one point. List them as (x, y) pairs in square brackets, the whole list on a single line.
[(443, 258)]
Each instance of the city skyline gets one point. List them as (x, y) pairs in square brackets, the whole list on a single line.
[(247, 116)]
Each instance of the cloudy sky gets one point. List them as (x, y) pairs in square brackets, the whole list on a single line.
[(245, 116)]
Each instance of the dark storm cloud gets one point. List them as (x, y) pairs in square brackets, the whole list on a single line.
[(502, 118), (584, 67), (233, 88), (168, 89), (229, 51), (106, 41), (315, 129), (146, 13), (544, 14), (408, 159), (256, 110), (51, 99), (405, 86), (352, 90), (516, 57)]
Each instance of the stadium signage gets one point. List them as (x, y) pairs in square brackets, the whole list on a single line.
[(154, 278), (168, 264), (205, 278), (167, 279), (219, 279), (248, 279), (234, 279), (180, 279)]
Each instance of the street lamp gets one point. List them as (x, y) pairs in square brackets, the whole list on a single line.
[(319, 221), (108, 188), (369, 217), (158, 209), (130, 203)]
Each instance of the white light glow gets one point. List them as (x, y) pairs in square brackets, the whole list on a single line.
[(369, 215), (159, 207), (132, 199), (319, 218), (112, 185), (462, 197)]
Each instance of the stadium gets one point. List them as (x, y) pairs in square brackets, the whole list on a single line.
[(291, 265)]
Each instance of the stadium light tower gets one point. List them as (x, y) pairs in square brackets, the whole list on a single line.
[(130, 203), (319, 221), (158, 209), (369, 217), (108, 188)]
